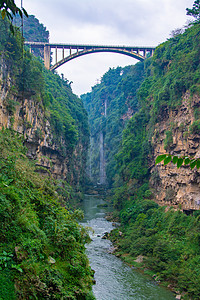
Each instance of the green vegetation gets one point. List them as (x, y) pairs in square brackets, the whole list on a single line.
[(10, 9), (168, 241), (110, 105), (171, 72), (41, 245), (33, 31), (168, 140), (195, 11), (64, 110), (69, 123)]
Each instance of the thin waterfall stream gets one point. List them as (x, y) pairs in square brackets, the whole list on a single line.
[(115, 280)]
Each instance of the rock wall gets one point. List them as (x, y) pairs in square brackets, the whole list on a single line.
[(28, 118), (177, 187)]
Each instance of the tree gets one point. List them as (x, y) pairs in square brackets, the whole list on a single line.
[(195, 10), (9, 8), (179, 161)]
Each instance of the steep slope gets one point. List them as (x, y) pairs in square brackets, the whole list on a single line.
[(42, 247), (110, 105), (42, 253), (166, 240), (41, 106), (164, 118), (33, 31)]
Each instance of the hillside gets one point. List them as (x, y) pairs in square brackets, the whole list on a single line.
[(135, 114), (110, 105), (167, 122), (43, 139), (33, 31), (163, 239)]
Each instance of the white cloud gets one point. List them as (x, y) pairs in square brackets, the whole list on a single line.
[(120, 22)]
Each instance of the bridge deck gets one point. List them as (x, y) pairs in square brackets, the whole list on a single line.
[(82, 46)]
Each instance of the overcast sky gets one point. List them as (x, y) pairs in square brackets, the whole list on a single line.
[(106, 22)]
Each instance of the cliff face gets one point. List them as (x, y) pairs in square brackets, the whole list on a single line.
[(29, 120), (177, 187), (110, 105), (28, 117), (41, 106)]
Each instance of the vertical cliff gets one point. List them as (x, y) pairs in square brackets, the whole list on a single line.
[(110, 105), (178, 133), (41, 106), (161, 237), (43, 144)]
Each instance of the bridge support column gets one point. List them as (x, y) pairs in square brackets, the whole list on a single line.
[(151, 52), (63, 53), (47, 52), (56, 55)]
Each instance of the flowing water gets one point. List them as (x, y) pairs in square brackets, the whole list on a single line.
[(114, 279), (102, 162)]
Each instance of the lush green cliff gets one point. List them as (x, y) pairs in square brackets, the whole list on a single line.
[(110, 105), (41, 244), (169, 97), (42, 247), (165, 118)]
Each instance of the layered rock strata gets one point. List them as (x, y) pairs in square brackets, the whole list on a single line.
[(177, 187)]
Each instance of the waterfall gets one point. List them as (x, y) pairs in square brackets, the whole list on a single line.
[(102, 163), (90, 159), (105, 113)]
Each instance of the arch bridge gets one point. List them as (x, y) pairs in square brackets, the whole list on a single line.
[(74, 51)]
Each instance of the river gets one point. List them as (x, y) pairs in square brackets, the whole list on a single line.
[(115, 280)]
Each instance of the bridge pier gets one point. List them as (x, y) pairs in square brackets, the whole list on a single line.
[(56, 55), (151, 52), (63, 53), (47, 53)]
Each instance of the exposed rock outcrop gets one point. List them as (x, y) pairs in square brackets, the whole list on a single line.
[(177, 187), (27, 116)]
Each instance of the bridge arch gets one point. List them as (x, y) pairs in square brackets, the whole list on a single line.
[(139, 53), (90, 51)]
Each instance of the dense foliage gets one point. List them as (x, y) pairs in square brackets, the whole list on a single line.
[(173, 70), (41, 244), (62, 108), (42, 252), (33, 30), (9, 9), (195, 10), (69, 122), (110, 104), (168, 240)]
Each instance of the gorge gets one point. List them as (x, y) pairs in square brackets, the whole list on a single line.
[(133, 115)]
